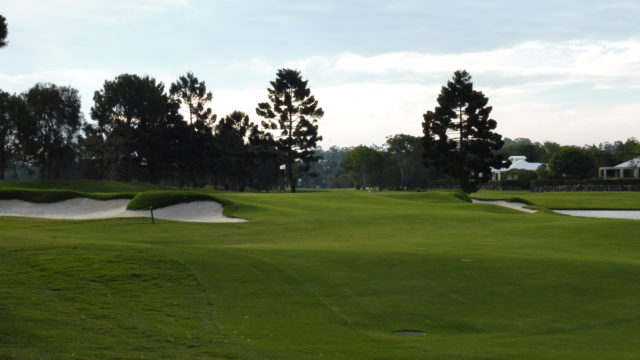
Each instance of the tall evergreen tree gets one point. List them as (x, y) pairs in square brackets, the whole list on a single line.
[(192, 93), (458, 135), (3, 31), (194, 154), (294, 112)]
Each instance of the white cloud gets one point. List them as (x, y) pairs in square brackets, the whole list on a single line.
[(571, 61), (86, 81), (367, 98)]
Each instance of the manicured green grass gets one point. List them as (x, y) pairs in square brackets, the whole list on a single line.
[(568, 200), (82, 185), (324, 275)]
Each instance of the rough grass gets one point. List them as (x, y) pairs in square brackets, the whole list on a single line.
[(326, 275)]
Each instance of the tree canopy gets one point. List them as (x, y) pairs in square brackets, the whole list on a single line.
[(54, 122), (294, 112), (458, 134), (192, 93), (3, 31), (13, 116), (132, 113), (364, 165), (572, 162)]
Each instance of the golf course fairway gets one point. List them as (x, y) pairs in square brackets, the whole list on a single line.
[(326, 275)]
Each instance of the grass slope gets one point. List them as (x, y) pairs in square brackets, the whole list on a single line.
[(54, 195), (82, 185), (142, 198), (325, 275), (158, 199)]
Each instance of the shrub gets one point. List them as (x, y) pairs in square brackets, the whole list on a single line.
[(555, 182), (49, 195)]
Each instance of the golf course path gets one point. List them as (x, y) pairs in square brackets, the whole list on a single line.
[(511, 205), (84, 208)]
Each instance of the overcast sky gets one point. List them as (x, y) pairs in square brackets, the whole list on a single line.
[(566, 71)]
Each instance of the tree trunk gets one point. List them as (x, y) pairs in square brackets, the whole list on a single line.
[(292, 182), (2, 162)]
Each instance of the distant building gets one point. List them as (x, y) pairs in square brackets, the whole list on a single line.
[(517, 163), (628, 169)]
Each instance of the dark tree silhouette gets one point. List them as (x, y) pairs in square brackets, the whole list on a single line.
[(233, 160), (458, 134), (294, 112), (265, 159), (132, 113), (3, 31), (13, 113), (55, 120), (406, 152), (196, 149), (193, 94)]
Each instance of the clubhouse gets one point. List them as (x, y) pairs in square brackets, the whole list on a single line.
[(628, 169)]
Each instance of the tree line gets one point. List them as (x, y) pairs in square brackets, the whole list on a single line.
[(460, 145), (140, 131), (398, 163), (575, 162)]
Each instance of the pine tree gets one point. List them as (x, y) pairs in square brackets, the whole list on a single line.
[(295, 112), (458, 134), (3, 31), (192, 93)]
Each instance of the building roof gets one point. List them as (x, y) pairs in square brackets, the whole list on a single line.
[(520, 163), (635, 162), (524, 165)]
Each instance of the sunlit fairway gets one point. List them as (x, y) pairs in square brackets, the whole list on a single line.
[(326, 275)]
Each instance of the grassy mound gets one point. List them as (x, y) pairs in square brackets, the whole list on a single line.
[(159, 199), (83, 185), (52, 195)]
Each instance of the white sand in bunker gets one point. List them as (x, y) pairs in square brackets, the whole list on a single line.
[(510, 205), (83, 208)]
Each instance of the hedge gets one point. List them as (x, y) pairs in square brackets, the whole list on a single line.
[(50, 195), (159, 199), (556, 182)]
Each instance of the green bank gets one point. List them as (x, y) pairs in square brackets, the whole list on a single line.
[(324, 275)]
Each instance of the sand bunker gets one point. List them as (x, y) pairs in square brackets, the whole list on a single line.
[(83, 208), (511, 205)]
